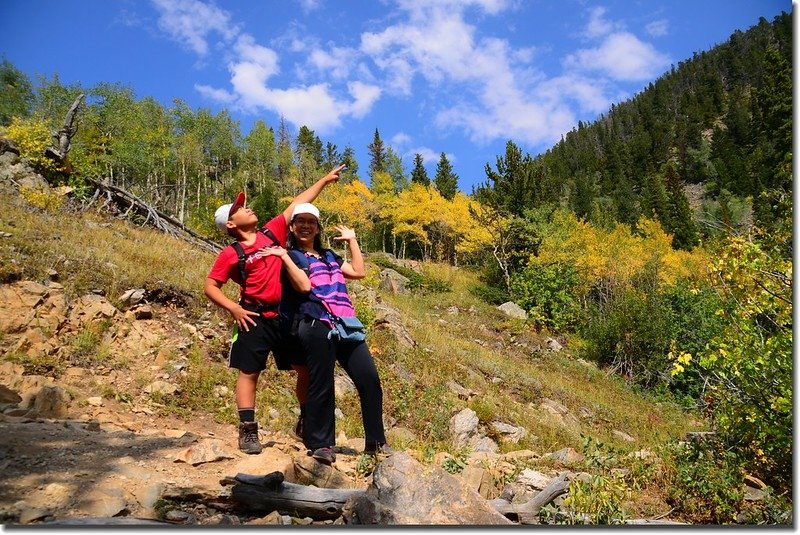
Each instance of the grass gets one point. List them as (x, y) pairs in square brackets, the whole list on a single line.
[(92, 252)]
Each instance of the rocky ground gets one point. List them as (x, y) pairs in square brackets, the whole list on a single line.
[(91, 442)]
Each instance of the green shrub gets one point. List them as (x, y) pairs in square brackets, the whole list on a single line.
[(548, 293), (705, 484), (630, 329), (490, 294)]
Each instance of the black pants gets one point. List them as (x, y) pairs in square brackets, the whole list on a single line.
[(322, 354)]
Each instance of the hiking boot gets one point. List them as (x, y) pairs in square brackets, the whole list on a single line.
[(378, 451), (248, 437), (324, 455), (298, 428)]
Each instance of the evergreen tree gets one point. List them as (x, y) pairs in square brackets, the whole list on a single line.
[(517, 184), (679, 221), (446, 181), (654, 198), (349, 159), (377, 155), (419, 175), (624, 201), (16, 93), (583, 196), (332, 157), (309, 146)]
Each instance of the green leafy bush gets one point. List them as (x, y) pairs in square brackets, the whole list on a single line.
[(629, 328), (705, 483), (548, 293)]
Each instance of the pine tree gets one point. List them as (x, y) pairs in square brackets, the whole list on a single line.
[(419, 175), (377, 155), (518, 183), (349, 159), (446, 181), (679, 221)]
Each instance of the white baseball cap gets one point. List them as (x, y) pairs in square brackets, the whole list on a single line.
[(223, 213), (305, 208)]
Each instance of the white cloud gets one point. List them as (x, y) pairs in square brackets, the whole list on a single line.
[(217, 95), (658, 28), (598, 26), (364, 98), (622, 56), (400, 140), (310, 5), (191, 21), (335, 63), (430, 158)]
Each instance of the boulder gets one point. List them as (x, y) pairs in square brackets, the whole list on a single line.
[(509, 433), (463, 427), (393, 282), (513, 310), (403, 492)]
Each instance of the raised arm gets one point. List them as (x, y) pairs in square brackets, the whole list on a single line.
[(313, 191), (354, 269)]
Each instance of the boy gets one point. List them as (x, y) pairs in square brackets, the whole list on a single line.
[(258, 330)]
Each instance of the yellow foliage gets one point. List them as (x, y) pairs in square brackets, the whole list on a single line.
[(617, 254), (46, 200), (415, 212), (348, 204), (32, 137)]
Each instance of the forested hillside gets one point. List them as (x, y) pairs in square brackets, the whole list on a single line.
[(689, 298)]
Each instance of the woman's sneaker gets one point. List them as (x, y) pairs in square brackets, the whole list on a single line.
[(248, 437), (324, 455)]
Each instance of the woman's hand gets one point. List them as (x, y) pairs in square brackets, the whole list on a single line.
[(346, 233)]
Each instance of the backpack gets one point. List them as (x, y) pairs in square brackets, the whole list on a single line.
[(242, 261)]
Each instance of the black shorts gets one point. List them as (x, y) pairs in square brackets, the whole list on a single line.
[(250, 349)]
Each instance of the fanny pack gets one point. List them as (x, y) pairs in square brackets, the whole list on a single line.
[(347, 329)]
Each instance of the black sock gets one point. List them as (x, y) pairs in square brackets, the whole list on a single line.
[(247, 415), (302, 411)]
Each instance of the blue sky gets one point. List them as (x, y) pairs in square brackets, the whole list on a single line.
[(459, 77)]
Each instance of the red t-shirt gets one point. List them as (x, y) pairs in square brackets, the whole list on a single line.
[(263, 272)]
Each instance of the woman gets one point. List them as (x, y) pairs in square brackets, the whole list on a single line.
[(327, 272)]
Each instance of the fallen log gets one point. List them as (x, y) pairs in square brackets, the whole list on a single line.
[(528, 512), (152, 215), (264, 494)]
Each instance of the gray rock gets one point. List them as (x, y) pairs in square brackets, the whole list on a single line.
[(513, 310), (463, 426), (393, 282), (533, 479), (509, 433), (623, 435), (403, 492)]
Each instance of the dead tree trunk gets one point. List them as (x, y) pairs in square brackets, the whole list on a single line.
[(62, 139), (152, 215), (528, 512), (270, 493)]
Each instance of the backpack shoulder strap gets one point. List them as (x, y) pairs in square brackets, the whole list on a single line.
[(242, 259), (300, 259), (269, 234)]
